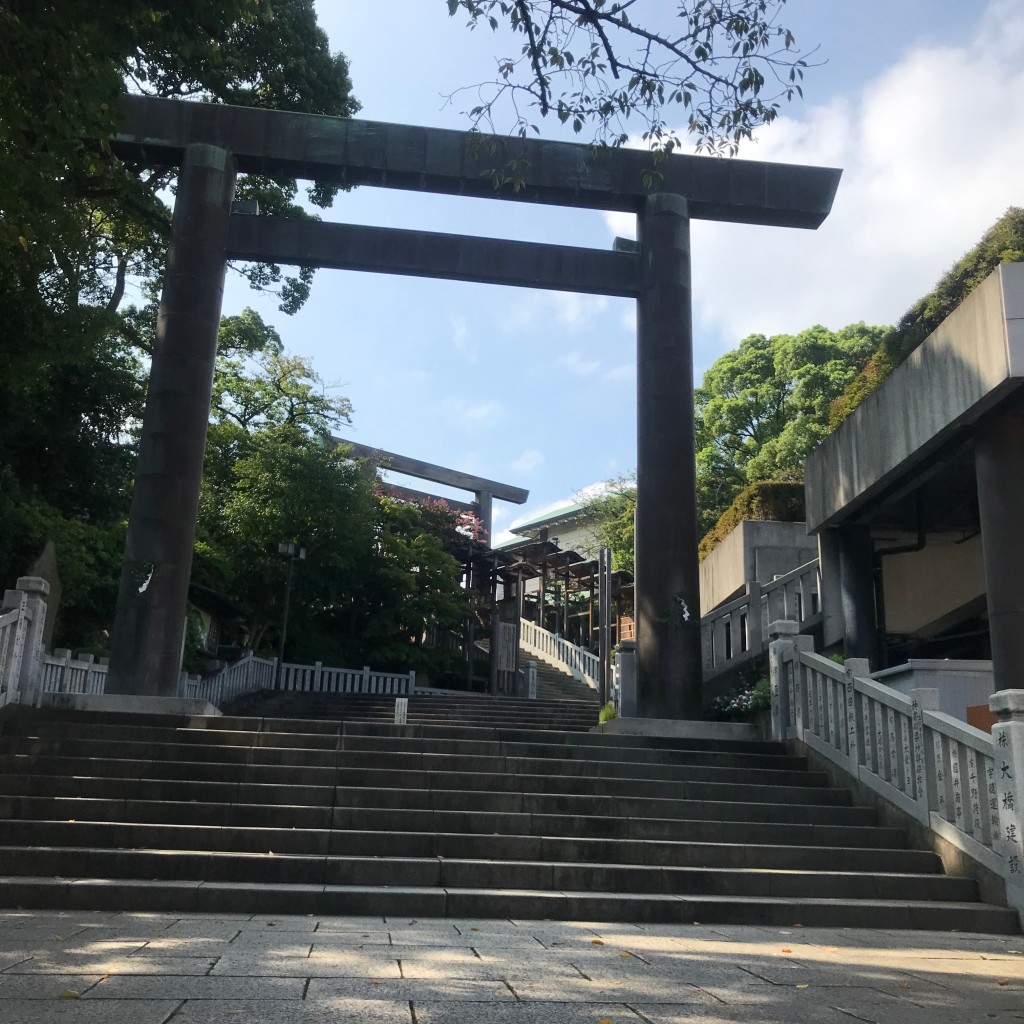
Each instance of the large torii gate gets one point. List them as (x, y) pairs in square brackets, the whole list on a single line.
[(212, 143)]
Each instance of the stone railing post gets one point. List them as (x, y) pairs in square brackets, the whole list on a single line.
[(10, 669), (856, 668), (1008, 761), (531, 680), (755, 638), (922, 700), (36, 591), (781, 648), (627, 661)]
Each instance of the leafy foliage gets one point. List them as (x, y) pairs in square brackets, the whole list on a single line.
[(612, 512), (772, 500), (721, 70), (1002, 243), (763, 407)]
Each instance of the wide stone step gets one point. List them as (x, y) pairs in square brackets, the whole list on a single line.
[(417, 784), (759, 853), (82, 893), (313, 750), (369, 767), (275, 869), (393, 805)]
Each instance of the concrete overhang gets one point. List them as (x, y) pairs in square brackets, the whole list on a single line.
[(351, 151), (918, 421)]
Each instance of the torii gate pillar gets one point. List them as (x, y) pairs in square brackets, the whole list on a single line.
[(667, 581), (149, 625)]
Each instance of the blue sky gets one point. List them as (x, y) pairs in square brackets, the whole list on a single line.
[(919, 103)]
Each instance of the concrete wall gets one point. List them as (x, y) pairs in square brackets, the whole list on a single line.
[(924, 587), (961, 684), (971, 361), (755, 551)]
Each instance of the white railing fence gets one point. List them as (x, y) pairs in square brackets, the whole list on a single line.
[(557, 651), (253, 674), (960, 782), (27, 672), (737, 632)]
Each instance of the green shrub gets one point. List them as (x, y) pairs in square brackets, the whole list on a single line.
[(775, 500), (607, 713)]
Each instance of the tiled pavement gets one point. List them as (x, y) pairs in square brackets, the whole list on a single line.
[(109, 968)]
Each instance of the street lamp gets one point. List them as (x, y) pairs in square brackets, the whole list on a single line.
[(292, 552)]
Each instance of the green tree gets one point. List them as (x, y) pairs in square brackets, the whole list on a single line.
[(763, 407), (721, 68), (612, 511), (376, 575)]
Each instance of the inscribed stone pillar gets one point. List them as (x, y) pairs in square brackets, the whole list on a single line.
[(857, 593), (149, 625), (999, 456), (667, 580)]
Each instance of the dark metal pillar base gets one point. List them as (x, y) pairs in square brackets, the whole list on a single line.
[(670, 671), (999, 460), (149, 625), (857, 592)]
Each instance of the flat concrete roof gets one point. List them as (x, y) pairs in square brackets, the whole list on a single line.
[(973, 361), (351, 151)]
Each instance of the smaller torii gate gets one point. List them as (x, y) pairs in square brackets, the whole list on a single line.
[(484, 490), (212, 143)]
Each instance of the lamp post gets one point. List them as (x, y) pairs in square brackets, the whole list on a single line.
[(292, 552)]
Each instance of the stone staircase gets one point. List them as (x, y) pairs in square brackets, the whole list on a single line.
[(425, 708), (261, 815)]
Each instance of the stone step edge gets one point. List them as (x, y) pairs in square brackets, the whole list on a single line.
[(132, 894), (716, 789), (938, 878), (178, 740), (148, 763), (831, 851), (651, 802)]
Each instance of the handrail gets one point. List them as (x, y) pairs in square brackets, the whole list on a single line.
[(736, 632), (559, 652), (939, 770)]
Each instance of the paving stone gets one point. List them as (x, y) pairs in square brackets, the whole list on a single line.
[(328, 1011), (79, 1011), (99, 963), (331, 964), (523, 1013), (190, 987), (44, 986), (415, 989)]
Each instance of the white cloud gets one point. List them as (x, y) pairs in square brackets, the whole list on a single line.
[(577, 363), (529, 462), (461, 339), (575, 311), (475, 412), (621, 374), (931, 151)]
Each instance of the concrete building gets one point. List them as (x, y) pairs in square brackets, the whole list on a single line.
[(917, 499)]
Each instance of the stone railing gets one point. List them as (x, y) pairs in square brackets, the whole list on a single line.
[(737, 632), (253, 674), (962, 783), (22, 618), (27, 672), (556, 651)]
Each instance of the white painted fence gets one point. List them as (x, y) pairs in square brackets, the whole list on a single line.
[(737, 632), (560, 653), (27, 672), (951, 777)]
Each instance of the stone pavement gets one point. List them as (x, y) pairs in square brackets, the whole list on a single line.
[(108, 968)]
